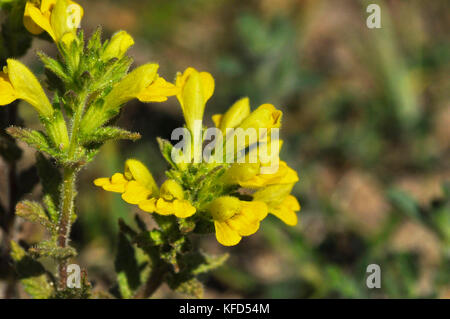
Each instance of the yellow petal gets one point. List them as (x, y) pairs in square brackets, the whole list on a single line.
[(244, 224), (235, 114), (28, 22), (47, 5), (273, 195), (241, 172), (131, 85), (28, 88), (65, 18), (134, 169), (163, 207), (148, 205), (158, 91), (207, 85), (217, 119), (120, 43), (288, 216), (40, 19), (195, 90), (291, 202), (183, 209), (255, 209), (170, 190), (101, 181), (284, 175), (224, 207), (135, 193), (7, 93), (265, 116), (226, 235), (114, 184)]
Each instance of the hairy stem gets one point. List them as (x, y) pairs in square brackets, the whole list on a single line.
[(69, 191), (65, 218)]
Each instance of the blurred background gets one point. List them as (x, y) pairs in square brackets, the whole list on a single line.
[(366, 124)]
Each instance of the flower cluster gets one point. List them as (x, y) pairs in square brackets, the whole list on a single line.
[(214, 190)]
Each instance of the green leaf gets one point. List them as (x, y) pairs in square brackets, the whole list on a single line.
[(38, 287), (51, 249), (35, 213), (107, 133), (35, 139), (31, 273), (55, 66), (210, 263), (127, 269)]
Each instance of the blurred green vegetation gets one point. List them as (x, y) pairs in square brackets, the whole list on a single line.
[(366, 124)]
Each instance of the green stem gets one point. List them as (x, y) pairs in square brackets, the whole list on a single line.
[(69, 191), (65, 219)]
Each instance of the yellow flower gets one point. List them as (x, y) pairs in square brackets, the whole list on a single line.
[(284, 175), (238, 116), (234, 116), (280, 202), (170, 202), (142, 83), (234, 218), (118, 45), (195, 89), (136, 184), (249, 128), (56, 17), (17, 82)]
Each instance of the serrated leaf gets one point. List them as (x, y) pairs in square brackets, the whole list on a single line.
[(210, 263), (55, 66), (35, 213), (51, 249), (35, 139), (107, 133)]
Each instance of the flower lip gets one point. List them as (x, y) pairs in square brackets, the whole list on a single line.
[(224, 207)]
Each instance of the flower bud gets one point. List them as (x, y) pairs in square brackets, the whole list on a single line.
[(120, 43)]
